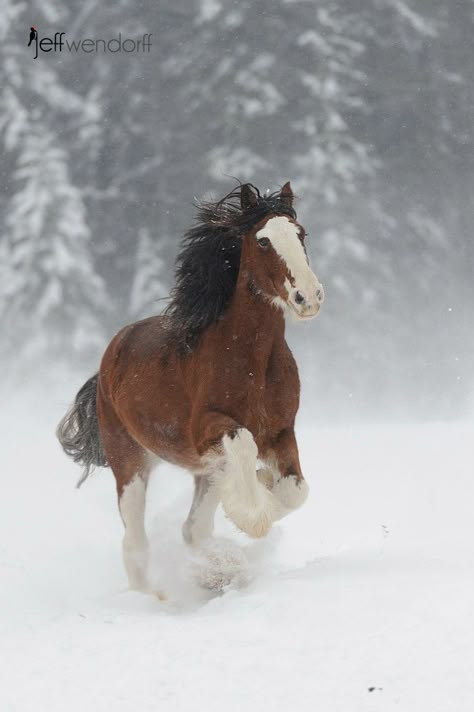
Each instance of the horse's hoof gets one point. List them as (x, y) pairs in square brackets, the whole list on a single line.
[(259, 527), (160, 595), (291, 491), (256, 526), (148, 591)]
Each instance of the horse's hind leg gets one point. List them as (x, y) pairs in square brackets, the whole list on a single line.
[(200, 522), (131, 465), (135, 543)]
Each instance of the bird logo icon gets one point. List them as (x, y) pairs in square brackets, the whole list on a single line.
[(33, 34)]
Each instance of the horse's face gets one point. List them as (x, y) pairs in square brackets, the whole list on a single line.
[(280, 267)]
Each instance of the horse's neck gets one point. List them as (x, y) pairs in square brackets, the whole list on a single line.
[(257, 325)]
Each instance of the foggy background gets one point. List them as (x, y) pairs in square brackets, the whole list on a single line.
[(366, 106)]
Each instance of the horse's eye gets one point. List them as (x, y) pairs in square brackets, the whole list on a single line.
[(263, 241)]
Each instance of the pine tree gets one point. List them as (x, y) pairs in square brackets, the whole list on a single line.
[(52, 302), (51, 289)]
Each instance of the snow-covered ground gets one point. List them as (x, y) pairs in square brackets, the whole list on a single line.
[(363, 600)]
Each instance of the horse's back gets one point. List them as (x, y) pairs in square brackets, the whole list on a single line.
[(135, 353), (149, 337)]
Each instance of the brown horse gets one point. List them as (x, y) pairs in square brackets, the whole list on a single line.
[(210, 385)]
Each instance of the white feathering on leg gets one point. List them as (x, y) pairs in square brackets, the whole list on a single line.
[(246, 501), (135, 543), (291, 492)]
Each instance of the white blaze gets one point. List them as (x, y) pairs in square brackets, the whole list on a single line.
[(283, 235)]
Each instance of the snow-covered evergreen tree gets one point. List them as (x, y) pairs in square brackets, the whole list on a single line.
[(51, 299), (52, 302)]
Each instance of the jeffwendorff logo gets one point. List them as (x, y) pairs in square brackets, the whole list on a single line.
[(87, 45), (33, 34)]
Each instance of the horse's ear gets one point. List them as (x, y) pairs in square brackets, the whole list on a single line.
[(286, 195), (248, 197)]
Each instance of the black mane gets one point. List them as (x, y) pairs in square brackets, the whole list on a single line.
[(208, 263)]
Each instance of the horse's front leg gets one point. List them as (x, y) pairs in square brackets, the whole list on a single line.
[(232, 454), (282, 472)]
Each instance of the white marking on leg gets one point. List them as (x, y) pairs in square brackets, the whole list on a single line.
[(265, 475), (200, 522), (135, 543), (246, 501), (291, 491)]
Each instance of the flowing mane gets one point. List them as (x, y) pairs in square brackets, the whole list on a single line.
[(208, 262)]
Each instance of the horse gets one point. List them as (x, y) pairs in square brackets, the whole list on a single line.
[(211, 384)]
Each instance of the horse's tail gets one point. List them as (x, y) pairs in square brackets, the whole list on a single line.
[(78, 432)]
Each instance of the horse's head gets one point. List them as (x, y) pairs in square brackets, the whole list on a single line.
[(276, 257)]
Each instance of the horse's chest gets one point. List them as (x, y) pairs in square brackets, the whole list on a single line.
[(261, 397), (277, 399), (282, 386)]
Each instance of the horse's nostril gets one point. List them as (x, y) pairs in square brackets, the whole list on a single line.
[(320, 295), (299, 299)]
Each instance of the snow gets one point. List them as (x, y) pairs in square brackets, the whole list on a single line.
[(361, 601)]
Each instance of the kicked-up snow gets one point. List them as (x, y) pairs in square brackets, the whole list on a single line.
[(363, 600)]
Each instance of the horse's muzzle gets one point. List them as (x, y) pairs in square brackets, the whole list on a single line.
[(306, 304)]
